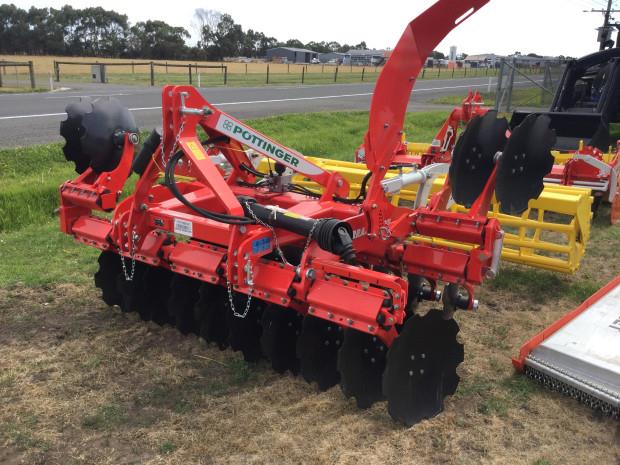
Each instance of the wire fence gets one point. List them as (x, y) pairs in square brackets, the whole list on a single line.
[(515, 88), (241, 74)]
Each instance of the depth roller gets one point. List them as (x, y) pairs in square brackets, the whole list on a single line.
[(421, 367)]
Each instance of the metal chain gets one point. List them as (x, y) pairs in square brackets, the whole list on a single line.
[(174, 146), (134, 236), (132, 254), (248, 265)]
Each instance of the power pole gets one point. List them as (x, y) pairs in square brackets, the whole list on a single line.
[(604, 32)]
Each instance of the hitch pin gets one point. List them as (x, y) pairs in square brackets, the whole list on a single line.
[(205, 111)]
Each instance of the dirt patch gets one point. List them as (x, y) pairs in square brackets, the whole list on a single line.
[(82, 383)]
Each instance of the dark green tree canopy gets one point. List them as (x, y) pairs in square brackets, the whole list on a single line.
[(98, 32)]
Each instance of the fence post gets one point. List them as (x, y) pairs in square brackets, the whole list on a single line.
[(303, 74), (363, 69), (498, 91), (465, 71), (166, 67), (267, 74), (438, 71), (133, 69), (510, 88), (288, 68), (423, 72), (226, 73), (56, 70), (189, 69), (336, 74), (152, 74), (322, 69), (1, 74), (453, 71), (102, 73), (246, 69)]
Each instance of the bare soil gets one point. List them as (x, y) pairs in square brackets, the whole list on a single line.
[(81, 383)]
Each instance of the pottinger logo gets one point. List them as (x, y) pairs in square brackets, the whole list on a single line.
[(228, 125), (258, 142)]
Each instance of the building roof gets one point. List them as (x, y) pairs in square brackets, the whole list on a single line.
[(366, 52), (294, 49), (482, 57)]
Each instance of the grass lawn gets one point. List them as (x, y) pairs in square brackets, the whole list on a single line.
[(84, 384), (528, 97), (21, 90)]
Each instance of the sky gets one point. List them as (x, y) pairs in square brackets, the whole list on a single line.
[(546, 27)]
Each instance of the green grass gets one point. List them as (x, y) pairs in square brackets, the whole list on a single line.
[(106, 416), (167, 447), (21, 90), (529, 97), (542, 286)]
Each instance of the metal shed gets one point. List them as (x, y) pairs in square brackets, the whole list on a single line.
[(291, 54)]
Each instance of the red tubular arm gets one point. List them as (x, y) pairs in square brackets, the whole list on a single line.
[(393, 89)]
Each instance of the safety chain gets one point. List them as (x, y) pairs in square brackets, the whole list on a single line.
[(174, 146), (248, 268), (134, 236), (248, 265), (132, 254)]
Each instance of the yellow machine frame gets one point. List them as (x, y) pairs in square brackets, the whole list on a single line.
[(551, 234)]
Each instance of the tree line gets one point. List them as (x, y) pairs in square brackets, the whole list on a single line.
[(98, 32)]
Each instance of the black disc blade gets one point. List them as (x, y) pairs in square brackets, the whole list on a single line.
[(106, 277), (361, 362), (525, 161), (183, 297), (210, 311), (157, 293), (132, 291), (281, 328), (421, 367), (103, 133), (72, 131), (473, 157), (317, 349), (245, 333)]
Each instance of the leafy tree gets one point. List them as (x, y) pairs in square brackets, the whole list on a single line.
[(157, 40)]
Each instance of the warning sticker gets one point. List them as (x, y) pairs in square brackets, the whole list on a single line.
[(183, 227), (196, 150)]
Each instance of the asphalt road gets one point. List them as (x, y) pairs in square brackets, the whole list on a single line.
[(34, 118)]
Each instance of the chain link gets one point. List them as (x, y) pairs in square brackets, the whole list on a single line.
[(174, 146), (132, 254), (248, 265), (134, 236)]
